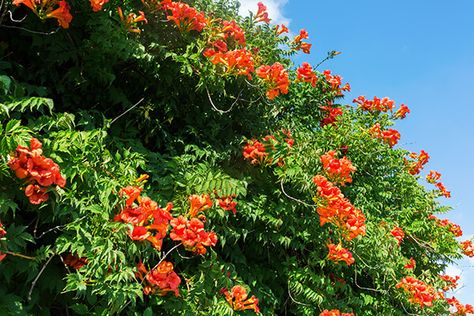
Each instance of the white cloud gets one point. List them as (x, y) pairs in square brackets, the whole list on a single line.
[(274, 8)]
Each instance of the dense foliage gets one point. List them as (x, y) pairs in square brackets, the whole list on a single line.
[(165, 157)]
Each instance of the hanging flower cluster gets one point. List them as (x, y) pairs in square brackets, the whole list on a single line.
[(334, 208), (433, 178), (389, 136), (417, 163), (334, 312), (467, 248), (418, 291), (335, 82), (281, 29), (184, 16), (74, 261), (49, 9), (149, 221), (199, 203), (97, 5), (298, 44), (398, 233), (451, 282), (410, 265), (227, 203), (338, 170), (259, 152), (192, 235), (276, 77), (262, 14), (160, 280), (239, 300), (452, 227), (330, 114), (339, 253), (305, 73), (402, 112), (377, 104), (38, 171), (461, 310)]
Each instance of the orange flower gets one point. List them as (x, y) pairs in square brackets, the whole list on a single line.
[(199, 203), (339, 253), (192, 235), (398, 233), (451, 282), (47, 10), (133, 193), (303, 35), (433, 176), (414, 167), (262, 14), (97, 4), (331, 115), (339, 170), (335, 82), (276, 77), (74, 261), (402, 112), (254, 151), (467, 248), (461, 309), (130, 22), (382, 105), (411, 265), (334, 312), (185, 17), (280, 29), (389, 136), (233, 31), (305, 73), (161, 279), (235, 62), (299, 45), (443, 190), (139, 233), (36, 194), (239, 301), (418, 291), (228, 204), (3, 232)]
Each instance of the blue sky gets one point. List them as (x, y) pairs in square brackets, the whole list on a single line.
[(420, 53)]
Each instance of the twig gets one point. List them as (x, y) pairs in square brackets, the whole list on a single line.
[(33, 284), (292, 198), (295, 301), (16, 21), (407, 311), (19, 255), (362, 287), (222, 111), (128, 110), (25, 29)]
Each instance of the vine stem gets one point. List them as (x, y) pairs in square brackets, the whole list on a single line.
[(292, 198), (222, 111), (33, 284), (128, 110), (19, 255)]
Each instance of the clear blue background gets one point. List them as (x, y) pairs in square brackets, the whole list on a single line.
[(420, 53)]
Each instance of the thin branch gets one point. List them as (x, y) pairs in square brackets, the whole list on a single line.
[(292, 198), (16, 21), (222, 111), (295, 301), (25, 29), (19, 255), (128, 110), (403, 306), (33, 284), (362, 287)]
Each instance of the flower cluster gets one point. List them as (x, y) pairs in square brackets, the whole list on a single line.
[(161, 279), (338, 170), (389, 136), (305, 73), (192, 235), (255, 152), (335, 82), (331, 114), (39, 172), (235, 62), (238, 299), (433, 178), (276, 76), (97, 5), (280, 29), (334, 208), (418, 291), (461, 309), (410, 265), (402, 112), (262, 14), (259, 152), (377, 104), (339, 253), (418, 162), (451, 282), (199, 203), (467, 248), (146, 217), (452, 227), (49, 9), (131, 20), (184, 16), (334, 312), (298, 43), (227, 203), (74, 262), (398, 233)]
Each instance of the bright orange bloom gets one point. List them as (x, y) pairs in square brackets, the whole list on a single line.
[(199, 203), (305, 47), (228, 204), (339, 253), (389, 136), (334, 312), (335, 82), (398, 233), (36, 194), (161, 279), (254, 151), (451, 282), (238, 299), (414, 167), (262, 14), (235, 62), (97, 4), (433, 176), (303, 35), (46, 9), (139, 233), (74, 261), (280, 29), (382, 105), (130, 22), (192, 235), (338, 170), (185, 17), (133, 193), (305, 73), (233, 31), (418, 291), (467, 248), (411, 265), (461, 309), (402, 112), (331, 115), (276, 77), (299, 44), (443, 190)]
